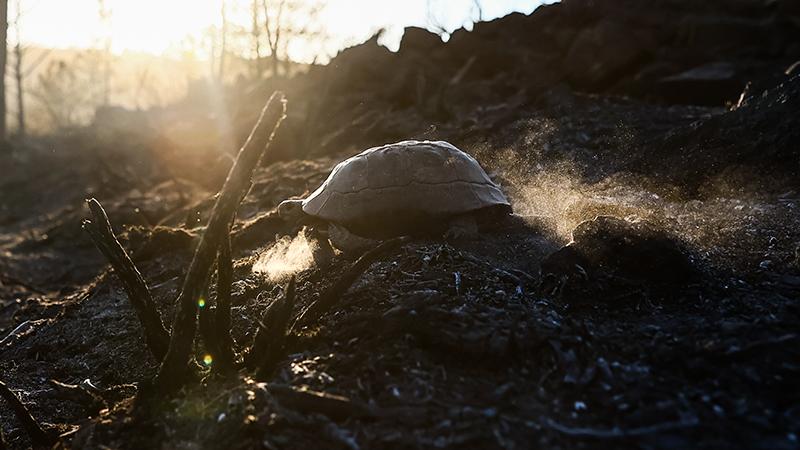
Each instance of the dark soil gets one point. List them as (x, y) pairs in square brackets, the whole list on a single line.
[(683, 336)]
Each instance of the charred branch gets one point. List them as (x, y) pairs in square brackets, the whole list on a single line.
[(38, 436), (306, 401), (99, 229), (270, 341), (175, 368), (222, 318), (206, 325), (332, 295)]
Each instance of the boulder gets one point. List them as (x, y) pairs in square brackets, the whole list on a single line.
[(713, 84), (601, 54), (419, 40)]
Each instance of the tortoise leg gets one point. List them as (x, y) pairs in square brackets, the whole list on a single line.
[(462, 227), (346, 241)]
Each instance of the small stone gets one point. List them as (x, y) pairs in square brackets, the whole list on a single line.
[(791, 281)]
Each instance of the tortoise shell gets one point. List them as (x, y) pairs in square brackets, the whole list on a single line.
[(409, 179)]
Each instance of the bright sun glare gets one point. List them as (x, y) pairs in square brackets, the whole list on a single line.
[(152, 26), (159, 26)]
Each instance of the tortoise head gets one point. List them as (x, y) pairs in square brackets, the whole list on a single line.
[(291, 210)]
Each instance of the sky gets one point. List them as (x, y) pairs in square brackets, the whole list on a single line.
[(166, 26)]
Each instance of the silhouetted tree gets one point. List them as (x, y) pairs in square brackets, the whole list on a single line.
[(434, 23), (289, 20), (472, 12), (70, 91), (3, 52), (478, 8), (223, 41), (18, 75), (258, 67), (105, 19)]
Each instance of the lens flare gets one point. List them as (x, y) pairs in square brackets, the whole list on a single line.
[(208, 360), (201, 303)]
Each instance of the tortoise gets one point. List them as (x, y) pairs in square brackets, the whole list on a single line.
[(406, 188)]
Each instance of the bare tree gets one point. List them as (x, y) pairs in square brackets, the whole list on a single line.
[(105, 18), (69, 91), (288, 20), (272, 24), (224, 41), (478, 8), (258, 67), (18, 75), (3, 52), (211, 37), (434, 23), (473, 12)]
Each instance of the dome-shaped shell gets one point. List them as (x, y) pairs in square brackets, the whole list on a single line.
[(432, 178)]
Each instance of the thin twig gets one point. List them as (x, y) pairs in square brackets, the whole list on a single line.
[(7, 279), (31, 426), (331, 296), (175, 368), (307, 401), (206, 324), (92, 401), (619, 433), (14, 332), (222, 319), (269, 343), (99, 229)]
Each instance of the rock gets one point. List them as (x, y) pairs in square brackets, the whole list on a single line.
[(758, 137), (791, 281), (419, 40), (635, 251), (711, 84), (787, 8), (793, 69), (720, 33), (601, 54), (797, 256), (361, 65)]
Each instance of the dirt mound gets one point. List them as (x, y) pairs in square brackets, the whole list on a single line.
[(754, 143), (609, 259)]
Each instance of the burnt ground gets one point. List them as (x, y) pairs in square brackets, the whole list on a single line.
[(451, 344)]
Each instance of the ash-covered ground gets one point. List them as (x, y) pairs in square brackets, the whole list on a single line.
[(674, 121)]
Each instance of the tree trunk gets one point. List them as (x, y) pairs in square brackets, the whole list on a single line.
[(3, 52), (105, 18), (273, 36), (276, 62), (258, 67), (18, 76), (224, 43), (20, 92)]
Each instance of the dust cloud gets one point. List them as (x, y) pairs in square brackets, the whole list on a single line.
[(721, 218), (556, 194), (288, 256)]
